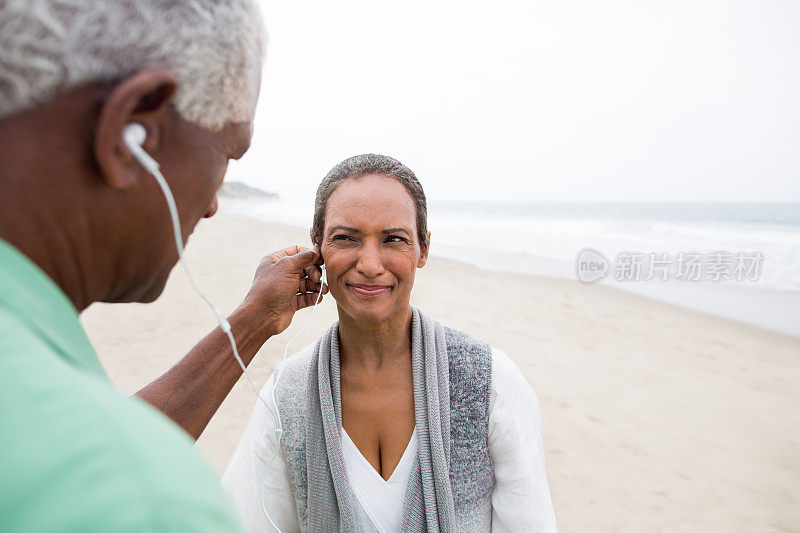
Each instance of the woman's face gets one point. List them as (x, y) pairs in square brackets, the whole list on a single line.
[(371, 248)]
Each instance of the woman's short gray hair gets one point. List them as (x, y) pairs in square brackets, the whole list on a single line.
[(212, 46), (359, 166)]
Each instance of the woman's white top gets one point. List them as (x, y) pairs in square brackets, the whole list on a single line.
[(380, 500), (520, 499)]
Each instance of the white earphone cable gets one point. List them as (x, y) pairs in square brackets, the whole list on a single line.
[(152, 166), (276, 415)]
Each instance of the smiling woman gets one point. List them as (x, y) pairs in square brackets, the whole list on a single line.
[(371, 250), (392, 421)]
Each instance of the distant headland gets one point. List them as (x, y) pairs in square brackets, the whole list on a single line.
[(236, 189)]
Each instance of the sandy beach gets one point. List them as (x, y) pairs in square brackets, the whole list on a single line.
[(656, 418)]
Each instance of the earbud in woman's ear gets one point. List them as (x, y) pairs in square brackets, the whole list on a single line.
[(323, 279)]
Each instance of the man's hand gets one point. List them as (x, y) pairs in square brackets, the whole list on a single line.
[(285, 281), (192, 390)]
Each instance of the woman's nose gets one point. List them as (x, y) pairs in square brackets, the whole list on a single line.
[(369, 261)]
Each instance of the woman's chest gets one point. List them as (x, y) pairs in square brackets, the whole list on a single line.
[(378, 416)]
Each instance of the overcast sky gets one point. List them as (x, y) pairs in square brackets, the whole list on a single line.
[(529, 100)]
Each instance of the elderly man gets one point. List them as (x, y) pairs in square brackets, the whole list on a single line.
[(82, 221)]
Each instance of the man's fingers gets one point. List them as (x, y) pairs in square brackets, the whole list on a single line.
[(308, 285), (307, 299), (274, 257), (313, 272), (301, 260), (291, 252)]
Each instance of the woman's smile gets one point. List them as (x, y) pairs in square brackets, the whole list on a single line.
[(370, 291)]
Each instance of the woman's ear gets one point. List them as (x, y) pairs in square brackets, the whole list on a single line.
[(423, 256)]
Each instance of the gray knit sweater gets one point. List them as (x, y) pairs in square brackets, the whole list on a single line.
[(471, 472)]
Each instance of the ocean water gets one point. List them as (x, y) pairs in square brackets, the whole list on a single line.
[(545, 239), (557, 232)]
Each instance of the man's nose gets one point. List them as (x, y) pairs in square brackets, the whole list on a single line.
[(212, 209)]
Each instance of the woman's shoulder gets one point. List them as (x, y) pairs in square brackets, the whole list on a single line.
[(298, 361), (470, 376), (285, 394), (459, 341), (504, 369), (469, 362), (475, 361), (293, 370), (511, 393), (467, 351)]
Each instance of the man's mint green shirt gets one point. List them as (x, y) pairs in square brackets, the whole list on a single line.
[(75, 453)]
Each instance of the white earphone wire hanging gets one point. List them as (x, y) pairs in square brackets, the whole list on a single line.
[(134, 135)]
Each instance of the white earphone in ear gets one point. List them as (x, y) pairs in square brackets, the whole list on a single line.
[(134, 134)]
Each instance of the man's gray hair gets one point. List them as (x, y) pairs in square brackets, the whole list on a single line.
[(213, 46)]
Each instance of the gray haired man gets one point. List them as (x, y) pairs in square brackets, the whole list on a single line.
[(82, 221)]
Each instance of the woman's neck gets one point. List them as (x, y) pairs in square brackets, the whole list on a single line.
[(370, 346)]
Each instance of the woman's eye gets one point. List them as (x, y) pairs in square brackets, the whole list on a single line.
[(341, 238), (396, 238)]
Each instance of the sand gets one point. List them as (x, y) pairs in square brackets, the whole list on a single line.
[(656, 418)]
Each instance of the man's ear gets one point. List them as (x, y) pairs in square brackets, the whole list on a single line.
[(143, 97), (423, 256)]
